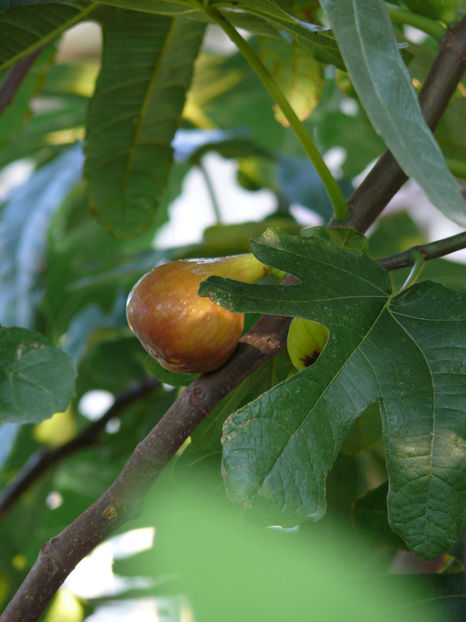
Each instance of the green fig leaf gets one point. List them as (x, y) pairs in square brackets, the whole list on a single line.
[(24, 29), (343, 236), (299, 74), (370, 50), (205, 441), (262, 17), (317, 39), (147, 66), (36, 378), (279, 449)]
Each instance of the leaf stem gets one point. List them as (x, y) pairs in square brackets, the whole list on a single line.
[(439, 248), (15, 77), (334, 192), (414, 272), (430, 26), (211, 192)]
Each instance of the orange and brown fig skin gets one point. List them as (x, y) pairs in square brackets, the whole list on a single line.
[(185, 332)]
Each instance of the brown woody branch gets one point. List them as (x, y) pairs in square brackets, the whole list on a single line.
[(42, 461), (124, 498), (15, 77)]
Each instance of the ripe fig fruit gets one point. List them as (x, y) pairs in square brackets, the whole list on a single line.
[(185, 332), (306, 340)]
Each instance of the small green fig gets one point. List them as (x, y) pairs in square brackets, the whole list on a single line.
[(306, 340), (185, 332)]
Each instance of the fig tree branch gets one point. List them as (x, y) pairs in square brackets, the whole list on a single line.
[(266, 339), (386, 177), (439, 248), (42, 461), (125, 496)]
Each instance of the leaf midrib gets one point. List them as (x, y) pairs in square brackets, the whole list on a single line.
[(309, 413), (315, 259), (433, 438), (141, 118), (374, 84)]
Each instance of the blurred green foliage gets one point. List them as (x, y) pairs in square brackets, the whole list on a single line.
[(64, 276)]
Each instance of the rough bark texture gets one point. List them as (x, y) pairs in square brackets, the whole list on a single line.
[(125, 496)]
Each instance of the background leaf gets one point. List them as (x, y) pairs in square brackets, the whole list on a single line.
[(87, 266), (8, 432), (24, 28), (36, 378), (298, 73), (371, 520), (63, 274), (259, 17), (23, 232), (443, 10), (161, 7), (271, 568), (146, 70), (300, 183), (368, 45), (453, 143), (315, 38)]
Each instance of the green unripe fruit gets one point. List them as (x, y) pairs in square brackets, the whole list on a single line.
[(306, 340), (185, 332)]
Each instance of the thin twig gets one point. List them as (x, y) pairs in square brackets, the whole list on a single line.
[(432, 250), (15, 77), (386, 177), (211, 192), (42, 461)]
